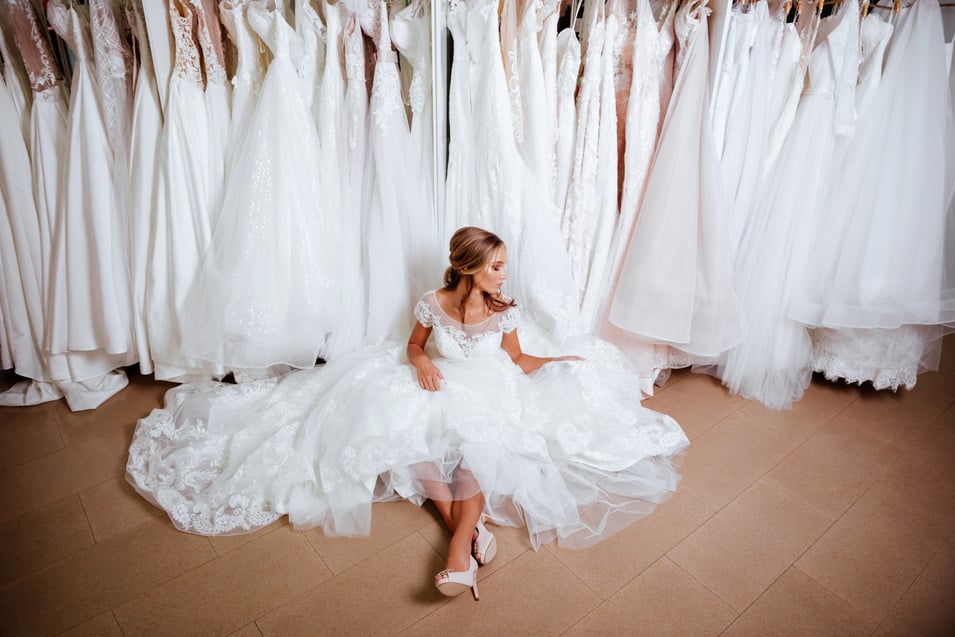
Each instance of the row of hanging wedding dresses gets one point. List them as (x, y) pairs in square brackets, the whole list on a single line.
[(881, 300), (277, 167), (847, 230)]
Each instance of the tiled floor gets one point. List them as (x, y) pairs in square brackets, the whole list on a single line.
[(834, 518)]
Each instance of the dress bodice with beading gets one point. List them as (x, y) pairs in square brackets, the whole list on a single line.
[(458, 341)]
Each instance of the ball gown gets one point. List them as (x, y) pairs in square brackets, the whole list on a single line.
[(567, 450)]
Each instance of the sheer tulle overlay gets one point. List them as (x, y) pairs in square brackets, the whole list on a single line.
[(567, 450)]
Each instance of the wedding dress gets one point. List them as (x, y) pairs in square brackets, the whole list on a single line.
[(247, 80), (675, 286), (568, 71), (184, 217), (410, 33), (566, 451), (773, 364), (349, 101), (29, 265), (888, 287), (143, 170), (89, 329), (389, 249), (488, 184), (273, 262)]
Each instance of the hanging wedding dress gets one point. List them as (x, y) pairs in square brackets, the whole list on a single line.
[(565, 451), (675, 285), (568, 71), (184, 219), (247, 80), (89, 329), (272, 264), (143, 170), (20, 263), (27, 247), (643, 114), (888, 288), (773, 364), (488, 184), (15, 76), (607, 181), (747, 127), (355, 170), (389, 255), (311, 29), (411, 36), (591, 206)]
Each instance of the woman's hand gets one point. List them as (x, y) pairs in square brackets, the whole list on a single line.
[(429, 376), (566, 358)]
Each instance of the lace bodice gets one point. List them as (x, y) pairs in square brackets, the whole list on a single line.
[(277, 34), (834, 65), (249, 68), (71, 24), (458, 341), (187, 67), (35, 47), (411, 33)]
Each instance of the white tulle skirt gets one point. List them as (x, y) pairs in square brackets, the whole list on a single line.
[(566, 451)]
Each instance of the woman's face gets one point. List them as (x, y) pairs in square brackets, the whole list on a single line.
[(492, 277)]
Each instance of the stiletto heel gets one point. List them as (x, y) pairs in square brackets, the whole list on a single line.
[(484, 547), (452, 583)]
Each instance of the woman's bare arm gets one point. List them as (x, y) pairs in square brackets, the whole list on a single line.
[(429, 376), (527, 362)]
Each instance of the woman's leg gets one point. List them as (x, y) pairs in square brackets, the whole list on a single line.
[(465, 514)]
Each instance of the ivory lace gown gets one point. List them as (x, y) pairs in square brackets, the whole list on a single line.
[(565, 451)]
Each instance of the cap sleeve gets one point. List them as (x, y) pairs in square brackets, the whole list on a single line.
[(510, 320), (424, 313)]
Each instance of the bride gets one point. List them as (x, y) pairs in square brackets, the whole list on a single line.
[(465, 419)]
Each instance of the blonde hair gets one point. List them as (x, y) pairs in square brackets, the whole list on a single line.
[(471, 249)]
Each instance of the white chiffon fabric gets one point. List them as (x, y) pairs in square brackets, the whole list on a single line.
[(675, 286), (880, 285), (773, 364), (271, 267), (565, 451)]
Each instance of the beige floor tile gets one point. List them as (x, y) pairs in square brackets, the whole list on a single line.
[(897, 417), (62, 473), (380, 596), (223, 544), (663, 601), (730, 457), (390, 523), (27, 433), (114, 506), (227, 593), (42, 537), (872, 554), (532, 595), (103, 625), (609, 565), (927, 608), (832, 470), (99, 577), (822, 402), (796, 605), (140, 396), (249, 630), (697, 402), (741, 550)]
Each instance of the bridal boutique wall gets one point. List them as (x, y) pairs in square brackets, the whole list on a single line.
[(663, 172)]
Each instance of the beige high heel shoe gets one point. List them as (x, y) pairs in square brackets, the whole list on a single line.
[(452, 583), (484, 547)]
